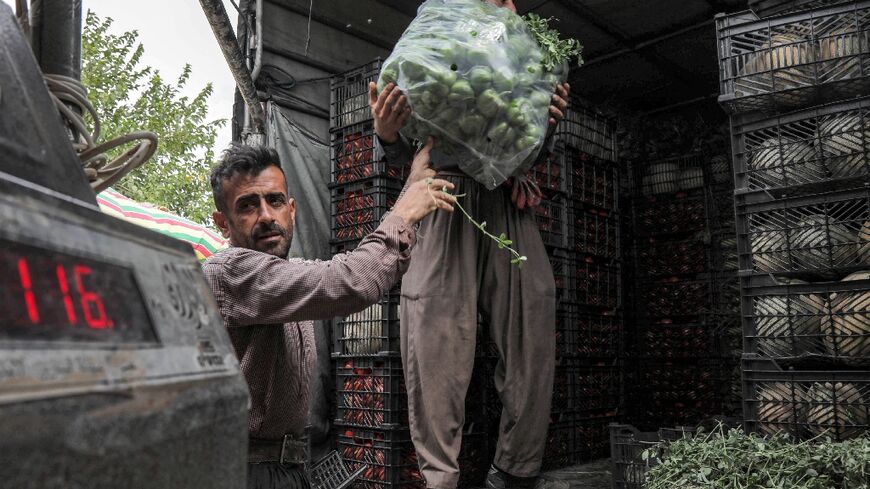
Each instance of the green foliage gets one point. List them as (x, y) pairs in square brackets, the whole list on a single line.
[(732, 459), (557, 51), (130, 97)]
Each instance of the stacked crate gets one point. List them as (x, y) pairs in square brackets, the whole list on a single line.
[(371, 400), (796, 88), (579, 224), (685, 321)]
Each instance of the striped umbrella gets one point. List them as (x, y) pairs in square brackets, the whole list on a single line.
[(204, 241)]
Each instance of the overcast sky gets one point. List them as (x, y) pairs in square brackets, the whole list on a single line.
[(175, 32)]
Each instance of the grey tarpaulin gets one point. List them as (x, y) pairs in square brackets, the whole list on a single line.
[(305, 161)]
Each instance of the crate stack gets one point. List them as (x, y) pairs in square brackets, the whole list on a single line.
[(685, 321), (795, 86), (579, 224), (371, 401)]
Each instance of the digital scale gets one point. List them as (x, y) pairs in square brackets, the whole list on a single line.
[(115, 367)]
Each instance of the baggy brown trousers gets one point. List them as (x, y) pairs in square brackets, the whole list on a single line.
[(455, 272)]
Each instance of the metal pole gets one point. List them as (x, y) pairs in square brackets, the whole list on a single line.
[(226, 38), (56, 32)]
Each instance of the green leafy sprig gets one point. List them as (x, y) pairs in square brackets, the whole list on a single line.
[(555, 49), (732, 459), (501, 240)]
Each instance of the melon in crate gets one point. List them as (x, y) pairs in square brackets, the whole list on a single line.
[(788, 325), (769, 247), (843, 139), (837, 410), (780, 407), (777, 162), (691, 177), (819, 243), (839, 53), (847, 329), (661, 178), (780, 64)]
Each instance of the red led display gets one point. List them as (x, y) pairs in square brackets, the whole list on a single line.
[(46, 295)]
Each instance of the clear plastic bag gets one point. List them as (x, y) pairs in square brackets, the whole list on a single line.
[(473, 77)]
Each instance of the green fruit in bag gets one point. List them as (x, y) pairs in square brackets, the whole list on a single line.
[(471, 125), (480, 78), (489, 103), (501, 82), (460, 92), (524, 143)]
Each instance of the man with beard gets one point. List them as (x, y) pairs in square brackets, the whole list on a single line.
[(268, 302)]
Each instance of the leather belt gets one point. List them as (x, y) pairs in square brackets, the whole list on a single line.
[(289, 450)]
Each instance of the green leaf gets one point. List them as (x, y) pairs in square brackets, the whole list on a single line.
[(131, 97)]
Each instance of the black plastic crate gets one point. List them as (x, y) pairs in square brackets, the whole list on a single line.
[(552, 218), (331, 472), (563, 389), (805, 404), (667, 257), (720, 210), (627, 445), (798, 152), (817, 237), (698, 340), (561, 262), (550, 174), (594, 182), (591, 438), (371, 392), (387, 457), (793, 60), (677, 392), (560, 443), (726, 295), (675, 298), (372, 331), (357, 208), (355, 156), (791, 320), (675, 214), (595, 284), (596, 390), (767, 8), (349, 99), (594, 232), (723, 252), (588, 130), (587, 335)]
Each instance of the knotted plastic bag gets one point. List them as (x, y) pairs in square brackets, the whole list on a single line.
[(473, 77)]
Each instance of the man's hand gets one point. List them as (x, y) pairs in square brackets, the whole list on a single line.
[(421, 168), (422, 198), (559, 105), (525, 193), (390, 111)]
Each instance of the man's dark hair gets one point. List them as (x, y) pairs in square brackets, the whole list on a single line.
[(239, 158)]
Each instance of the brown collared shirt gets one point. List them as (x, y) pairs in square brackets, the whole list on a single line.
[(268, 305)]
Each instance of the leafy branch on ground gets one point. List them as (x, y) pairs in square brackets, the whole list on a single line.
[(732, 459)]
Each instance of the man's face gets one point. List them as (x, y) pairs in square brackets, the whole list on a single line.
[(509, 4), (259, 214)]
